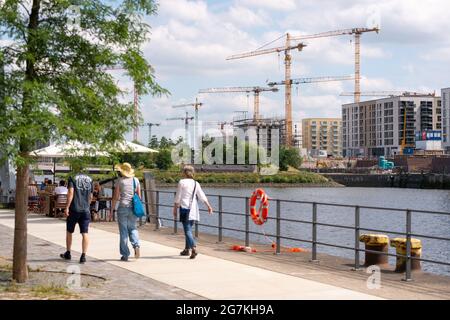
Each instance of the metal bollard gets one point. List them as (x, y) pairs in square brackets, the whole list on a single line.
[(314, 233)]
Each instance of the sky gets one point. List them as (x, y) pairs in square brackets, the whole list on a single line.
[(190, 40)]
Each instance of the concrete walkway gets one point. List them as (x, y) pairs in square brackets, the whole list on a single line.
[(206, 276)]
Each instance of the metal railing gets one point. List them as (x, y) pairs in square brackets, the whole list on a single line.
[(314, 223)]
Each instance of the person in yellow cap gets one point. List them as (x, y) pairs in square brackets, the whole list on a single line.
[(123, 193)]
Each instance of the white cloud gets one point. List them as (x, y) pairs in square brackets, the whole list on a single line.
[(188, 11), (279, 5), (242, 16), (439, 54)]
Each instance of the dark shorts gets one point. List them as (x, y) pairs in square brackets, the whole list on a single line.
[(83, 220)]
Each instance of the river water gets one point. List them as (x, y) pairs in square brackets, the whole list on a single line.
[(414, 199)]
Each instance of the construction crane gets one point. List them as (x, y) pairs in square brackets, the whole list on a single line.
[(311, 80), (388, 94), (288, 87), (186, 120), (357, 32), (150, 125), (256, 91), (135, 102), (196, 106)]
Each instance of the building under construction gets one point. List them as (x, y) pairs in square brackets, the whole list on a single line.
[(264, 128)]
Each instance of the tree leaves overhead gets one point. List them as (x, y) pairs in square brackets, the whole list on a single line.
[(56, 82)]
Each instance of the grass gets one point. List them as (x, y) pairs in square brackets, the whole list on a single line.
[(52, 291)]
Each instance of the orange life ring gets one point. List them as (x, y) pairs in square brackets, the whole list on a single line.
[(259, 216)]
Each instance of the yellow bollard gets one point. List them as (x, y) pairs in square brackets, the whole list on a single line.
[(416, 251), (375, 242)]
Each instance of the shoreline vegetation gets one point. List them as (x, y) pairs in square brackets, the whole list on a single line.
[(244, 179), (284, 179)]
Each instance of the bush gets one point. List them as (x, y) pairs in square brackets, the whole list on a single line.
[(163, 159)]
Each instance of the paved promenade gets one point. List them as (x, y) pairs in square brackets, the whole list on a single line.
[(206, 276)]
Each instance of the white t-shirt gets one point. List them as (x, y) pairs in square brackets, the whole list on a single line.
[(61, 190), (184, 197)]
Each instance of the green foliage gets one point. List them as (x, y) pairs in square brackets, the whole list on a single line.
[(289, 157), (154, 144), (55, 84), (163, 159), (238, 178)]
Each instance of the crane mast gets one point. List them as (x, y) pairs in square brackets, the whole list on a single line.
[(287, 62)]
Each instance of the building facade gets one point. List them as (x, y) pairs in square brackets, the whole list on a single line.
[(379, 127), (322, 134), (265, 130), (298, 135), (445, 95)]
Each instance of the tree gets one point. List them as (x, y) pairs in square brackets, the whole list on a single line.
[(153, 143), (289, 157), (55, 83), (163, 159)]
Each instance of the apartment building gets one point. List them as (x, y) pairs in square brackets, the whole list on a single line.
[(322, 134), (376, 127)]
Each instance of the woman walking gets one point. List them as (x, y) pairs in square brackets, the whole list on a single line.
[(124, 191), (186, 202)]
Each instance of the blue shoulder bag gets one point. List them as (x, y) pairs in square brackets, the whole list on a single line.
[(138, 208)]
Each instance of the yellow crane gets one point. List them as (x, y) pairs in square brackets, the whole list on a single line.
[(357, 32), (256, 91), (288, 86)]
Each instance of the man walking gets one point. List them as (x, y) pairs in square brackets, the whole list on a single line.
[(79, 197)]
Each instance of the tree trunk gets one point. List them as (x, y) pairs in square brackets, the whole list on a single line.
[(20, 269)]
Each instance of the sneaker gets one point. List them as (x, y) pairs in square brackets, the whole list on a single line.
[(66, 255), (193, 254), (83, 259), (137, 252), (123, 258), (185, 252)]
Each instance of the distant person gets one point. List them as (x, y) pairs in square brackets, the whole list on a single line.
[(32, 190), (50, 188), (44, 184), (97, 204), (186, 202), (79, 197), (61, 189), (61, 193), (123, 192)]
